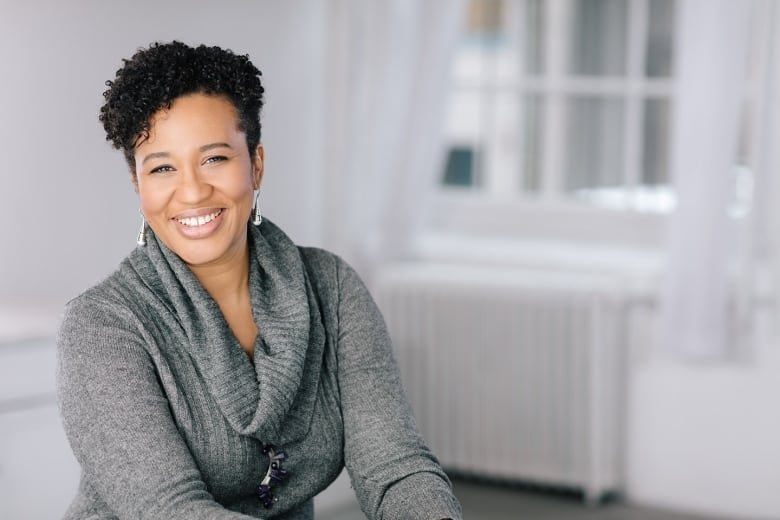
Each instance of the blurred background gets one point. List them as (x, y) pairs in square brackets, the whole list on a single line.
[(566, 209)]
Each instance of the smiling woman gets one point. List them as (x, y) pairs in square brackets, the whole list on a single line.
[(195, 179), (222, 371)]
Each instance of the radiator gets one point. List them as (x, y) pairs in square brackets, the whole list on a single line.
[(514, 375)]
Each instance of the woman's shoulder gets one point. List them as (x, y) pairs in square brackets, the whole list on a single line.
[(329, 269), (337, 283), (111, 301), (111, 291), (321, 268), (320, 260)]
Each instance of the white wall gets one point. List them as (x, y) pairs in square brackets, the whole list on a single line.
[(703, 437), (70, 210)]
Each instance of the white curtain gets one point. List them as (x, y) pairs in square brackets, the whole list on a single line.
[(387, 65), (710, 63), (764, 244)]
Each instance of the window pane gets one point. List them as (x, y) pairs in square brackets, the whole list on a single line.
[(459, 170), (465, 131), (521, 49), (483, 19), (534, 37), (487, 50), (482, 41), (659, 38), (533, 117), (599, 32), (655, 146), (594, 143)]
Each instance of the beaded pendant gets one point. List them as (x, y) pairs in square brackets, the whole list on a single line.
[(274, 476)]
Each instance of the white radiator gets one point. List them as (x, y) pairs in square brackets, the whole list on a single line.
[(513, 374)]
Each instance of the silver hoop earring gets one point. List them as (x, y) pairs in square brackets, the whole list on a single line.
[(141, 240), (257, 217)]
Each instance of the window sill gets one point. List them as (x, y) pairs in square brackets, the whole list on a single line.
[(636, 269), (470, 214)]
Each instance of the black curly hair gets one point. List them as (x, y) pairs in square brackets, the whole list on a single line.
[(156, 76)]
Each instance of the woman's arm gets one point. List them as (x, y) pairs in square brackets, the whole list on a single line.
[(394, 474), (118, 420)]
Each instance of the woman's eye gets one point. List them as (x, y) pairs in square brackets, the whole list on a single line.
[(215, 159), (162, 169)]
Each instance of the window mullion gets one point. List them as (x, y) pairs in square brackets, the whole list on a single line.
[(519, 14), (637, 34), (556, 46), (504, 148), (494, 182)]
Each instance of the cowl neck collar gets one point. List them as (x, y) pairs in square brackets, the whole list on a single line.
[(272, 399)]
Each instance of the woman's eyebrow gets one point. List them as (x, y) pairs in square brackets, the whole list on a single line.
[(155, 155), (204, 148), (207, 147)]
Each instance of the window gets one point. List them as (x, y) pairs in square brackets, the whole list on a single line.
[(563, 101)]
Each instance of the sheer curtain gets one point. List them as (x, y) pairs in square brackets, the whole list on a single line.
[(697, 294), (386, 79), (763, 245)]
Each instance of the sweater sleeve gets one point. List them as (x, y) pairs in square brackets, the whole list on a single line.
[(118, 421), (394, 474)]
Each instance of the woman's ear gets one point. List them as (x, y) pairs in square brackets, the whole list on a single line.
[(258, 166)]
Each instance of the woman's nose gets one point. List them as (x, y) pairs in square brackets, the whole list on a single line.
[(192, 187)]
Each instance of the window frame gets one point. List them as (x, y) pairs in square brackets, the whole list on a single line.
[(501, 203)]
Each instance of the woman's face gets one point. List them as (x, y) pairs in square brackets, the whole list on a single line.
[(195, 179)]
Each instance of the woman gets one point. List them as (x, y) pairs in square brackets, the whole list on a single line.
[(222, 372)]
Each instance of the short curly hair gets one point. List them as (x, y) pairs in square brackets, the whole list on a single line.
[(156, 76)]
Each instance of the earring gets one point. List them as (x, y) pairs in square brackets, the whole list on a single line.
[(141, 240), (257, 217)]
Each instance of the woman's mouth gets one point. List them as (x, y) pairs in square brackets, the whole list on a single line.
[(200, 220), (199, 226)]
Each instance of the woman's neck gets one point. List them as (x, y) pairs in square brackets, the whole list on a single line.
[(227, 281)]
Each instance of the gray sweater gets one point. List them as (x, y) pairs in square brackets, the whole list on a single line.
[(168, 416)]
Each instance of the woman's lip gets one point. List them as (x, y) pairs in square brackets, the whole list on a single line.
[(202, 231), (200, 212)]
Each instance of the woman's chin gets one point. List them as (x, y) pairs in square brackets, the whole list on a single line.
[(210, 243), (202, 254)]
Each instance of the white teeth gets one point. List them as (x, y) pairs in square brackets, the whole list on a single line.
[(199, 221)]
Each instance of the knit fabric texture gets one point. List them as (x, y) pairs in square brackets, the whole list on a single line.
[(167, 415)]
